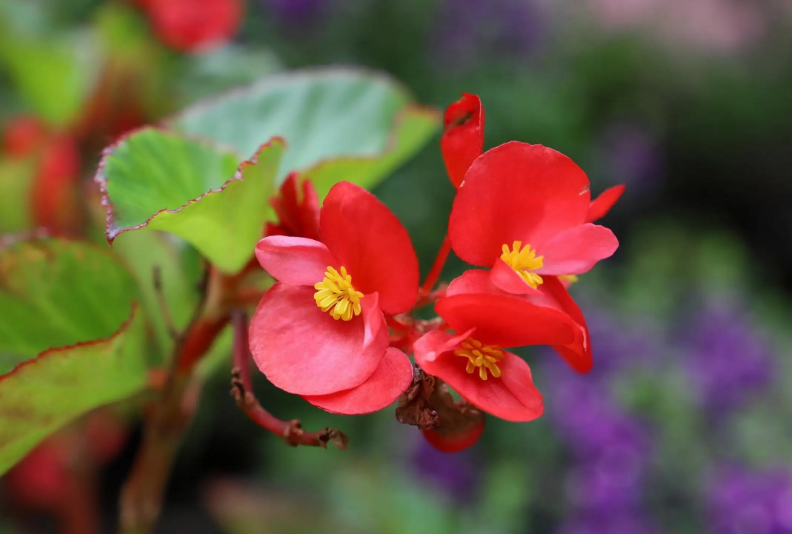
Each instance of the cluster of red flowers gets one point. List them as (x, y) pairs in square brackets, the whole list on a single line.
[(336, 328)]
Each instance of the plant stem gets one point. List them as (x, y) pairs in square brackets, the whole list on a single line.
[(242, 390), (437, 268)]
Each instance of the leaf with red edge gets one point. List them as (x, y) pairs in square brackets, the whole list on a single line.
[(41, 395), (340, 123), (204, 194), (77, 297)]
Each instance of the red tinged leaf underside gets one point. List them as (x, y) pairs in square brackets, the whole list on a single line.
[(463, 137)]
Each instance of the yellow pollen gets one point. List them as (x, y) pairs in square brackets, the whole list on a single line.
[(571, 278), (336, 295), (523, 260), (485, 357)]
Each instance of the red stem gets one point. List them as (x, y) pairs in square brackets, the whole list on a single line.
[(437, 267), (290, 431)]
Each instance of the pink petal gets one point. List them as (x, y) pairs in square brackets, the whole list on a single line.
[(303, 350), (577, 250), (391, 378), (296, 261), (506, 279), (513, 396)]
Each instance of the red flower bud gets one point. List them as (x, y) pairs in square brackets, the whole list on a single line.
[(54, 202), (457, 441), (463, 138)]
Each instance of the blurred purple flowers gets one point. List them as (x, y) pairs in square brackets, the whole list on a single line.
[(456, 476), (727, 360), (745, 502)]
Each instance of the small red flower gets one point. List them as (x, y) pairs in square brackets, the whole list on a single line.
[(552, 294), (522, 211), (54, 202), (22, 136), (320, 332), (474, 361), (297, 217), (194, 26), (463, 138)]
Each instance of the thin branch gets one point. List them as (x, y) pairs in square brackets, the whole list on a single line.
[(163, 303), (437, 267), (242, 390)]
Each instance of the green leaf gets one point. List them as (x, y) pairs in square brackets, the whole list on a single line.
[(159, 180), (364, 121), (75, 296), (16, 178), (41, 395), (55, 293)]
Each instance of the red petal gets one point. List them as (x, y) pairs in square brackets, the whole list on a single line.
[(513, 396), (516, 192), (601, 205), (463, 139), (392, 378), (506, 279), (294, 260), (552, 294), (303, 350), (367, 239), (298, 217), (578, 353), (508, 321), (577, 250)]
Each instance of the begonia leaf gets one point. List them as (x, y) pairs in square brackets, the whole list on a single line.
[(71, 338), (340, 124), (207, 195)]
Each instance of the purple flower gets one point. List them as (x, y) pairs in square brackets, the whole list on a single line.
[(632, 522), (630, 155), (296, 12), (745, 502), (454, 475), (469, 31), (728, 361)]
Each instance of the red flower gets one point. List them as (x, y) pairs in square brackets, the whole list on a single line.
[(297, 217), (552, 294), (474, 361), (320, 332), (463, 138), (194, 26), (522, 210), (22, 136), (55, 203)]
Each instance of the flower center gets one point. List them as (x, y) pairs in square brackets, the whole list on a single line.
[(523, 260), (336, 295), (485, 357)]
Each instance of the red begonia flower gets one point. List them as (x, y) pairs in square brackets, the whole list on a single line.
[(601, 205), (297, 216), (22, 135), (390, 379), (55, 202), (321, 329), (463, 139), (522, 211), (552, 294), (190, 26), (473, 361)]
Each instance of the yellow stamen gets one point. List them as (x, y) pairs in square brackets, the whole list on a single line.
[(485, 357), (571, 278), (523, 260), (336, 295)]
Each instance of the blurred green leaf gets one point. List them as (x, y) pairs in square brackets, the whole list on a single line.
[(162, 181), (15, 182), (363, 122), (55, 293), (45, 393), (77, 297)]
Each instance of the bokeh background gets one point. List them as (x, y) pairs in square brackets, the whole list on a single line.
[(683, 425)]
